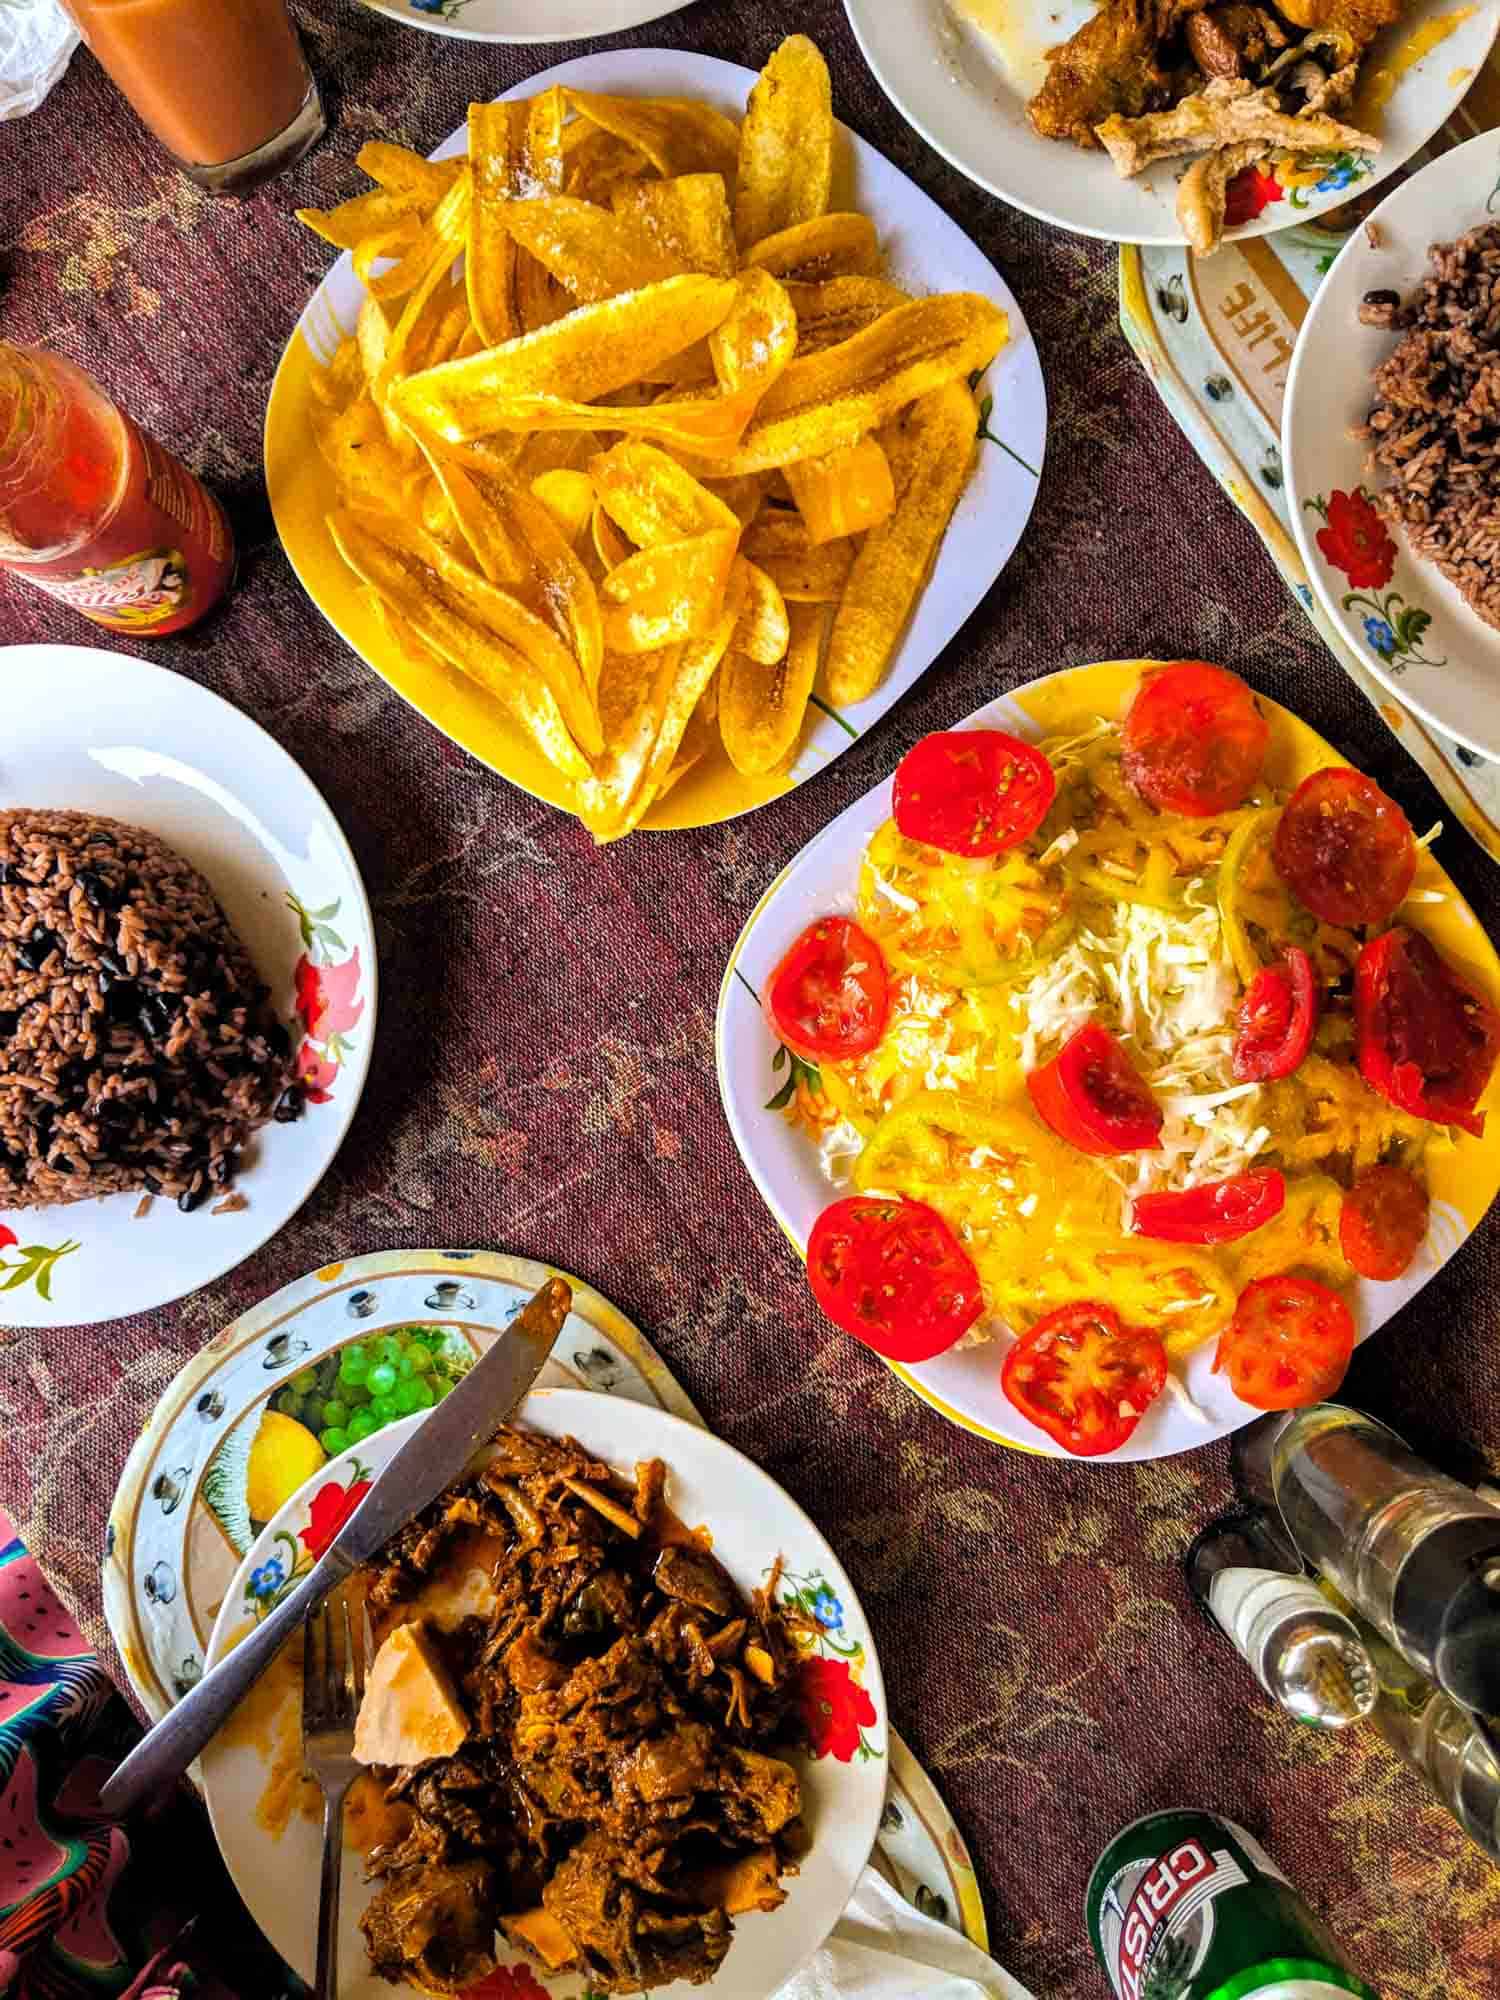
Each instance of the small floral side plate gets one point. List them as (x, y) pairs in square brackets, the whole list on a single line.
[(753, 1522), (1410, 625), (107, 734)]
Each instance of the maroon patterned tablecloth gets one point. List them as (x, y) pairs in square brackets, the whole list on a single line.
[(543, 1078)]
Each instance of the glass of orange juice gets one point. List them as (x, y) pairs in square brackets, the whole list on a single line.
[(223, 84)]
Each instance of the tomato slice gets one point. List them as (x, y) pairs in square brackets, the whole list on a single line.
[(972, 791), (892, 1273), (830, 995), (1427, 1040), (1277, 1017), (1344, 848), (1085, 1379), (1383, 1222), (1194, 739), (1092, 1095), (1220, 1212), (1288, 1344)]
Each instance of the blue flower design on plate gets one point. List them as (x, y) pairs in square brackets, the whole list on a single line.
[(268, 1579), (1380, 638), (828, 1611), (429, 6), (1337, 177)]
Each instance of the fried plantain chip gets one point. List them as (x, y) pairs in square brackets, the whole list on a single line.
[(786, 143), (594, 350), (762, 704), (838, 308), (496, 142), (595, 162), (742, 496), (843, 493), (825, 400), (753, 347), (672, 591), (439, 619), (777, 541), (676, 134), (763, 631), (595, 253), (688, 216), (931, 453), (401, 171), (832, 246), (393, 242), (341, 381), (495, 610), (365, 466), (696, 673), (610, 546), (347, 226), (569, 498), (699, 739), (653, 498), (436, 247)]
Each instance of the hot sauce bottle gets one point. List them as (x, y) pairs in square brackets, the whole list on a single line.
[(97, 513)]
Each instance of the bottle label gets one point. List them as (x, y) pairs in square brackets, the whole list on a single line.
[(1188, 1906), (162, 559)]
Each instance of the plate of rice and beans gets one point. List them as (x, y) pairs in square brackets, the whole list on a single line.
[(187, 987), (1391, 437)]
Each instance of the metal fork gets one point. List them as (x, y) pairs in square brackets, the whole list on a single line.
[(333, 1685)]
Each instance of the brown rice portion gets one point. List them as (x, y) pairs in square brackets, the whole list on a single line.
[(1434, 426), (139, 1049)]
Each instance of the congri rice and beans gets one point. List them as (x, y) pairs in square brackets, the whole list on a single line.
[(139, 1049)]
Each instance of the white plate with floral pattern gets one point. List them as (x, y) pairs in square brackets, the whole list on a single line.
[(247, 1771), (962, 71), (107, 734), (1398, 612), (524, 20)]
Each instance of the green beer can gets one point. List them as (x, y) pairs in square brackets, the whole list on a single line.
[(1187, 1906)]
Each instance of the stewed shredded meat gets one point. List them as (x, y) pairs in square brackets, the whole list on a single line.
[(622, 1794)]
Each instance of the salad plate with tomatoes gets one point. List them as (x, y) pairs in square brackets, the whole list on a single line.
[(1118, 1064)]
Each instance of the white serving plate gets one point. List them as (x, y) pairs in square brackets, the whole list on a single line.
[(966, 93), (1450, 676), (964, 1384), (924, 250), (523, 20), (752, 1522), (104, 733)]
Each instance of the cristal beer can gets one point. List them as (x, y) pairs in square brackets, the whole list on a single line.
[(1187, 1906)]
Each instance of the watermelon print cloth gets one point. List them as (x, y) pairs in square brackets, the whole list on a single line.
[(90, 1908)]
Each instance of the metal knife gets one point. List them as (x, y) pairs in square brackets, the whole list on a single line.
[(432, 1457)]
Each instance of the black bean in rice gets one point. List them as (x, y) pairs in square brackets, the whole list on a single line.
[(138, 1047), (1434, 426)]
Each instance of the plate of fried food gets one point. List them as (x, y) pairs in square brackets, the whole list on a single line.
[(624, 1726), (1387, 435), (187, 987), (1119, 1064), (1175, 121), (651, 442)]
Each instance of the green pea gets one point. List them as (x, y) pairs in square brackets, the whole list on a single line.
[(335, 1413), (354, 1365), (355, 1394), (411, 1397), (361, 1425), (388, 1348), (381, 1378), (384, 1409), (305, 1383), (334, 1440), (417, 1361)]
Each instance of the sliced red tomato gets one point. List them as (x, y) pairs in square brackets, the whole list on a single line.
[(1427, 1040), (972, 791), (1277, 1017), (1383, 1221), (1221, 1212), (1344, 848), (1194, 739), (892, 1273), (1288, 1344), (830, 995), (1084, 1378), (1092, 1095)]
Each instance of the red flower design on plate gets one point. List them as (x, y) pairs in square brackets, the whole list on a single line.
[(315, 1073), (331, 1507), (507, 1982), (325, 996), (1249, 193), (1355, 541), (7, 1237), (834, 1707)]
